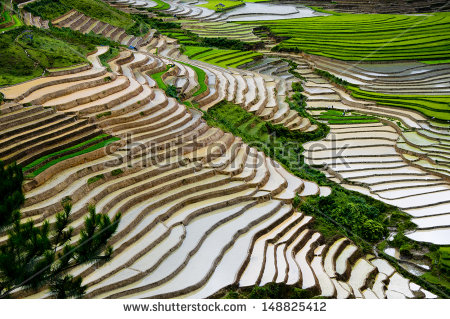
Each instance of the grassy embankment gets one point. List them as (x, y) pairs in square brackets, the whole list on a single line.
[(27, 55)]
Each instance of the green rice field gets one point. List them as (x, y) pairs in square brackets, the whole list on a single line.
[(223, 58), (431, 106), (370, 37)]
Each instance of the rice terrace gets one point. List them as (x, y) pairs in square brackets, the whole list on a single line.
[(225, 149)]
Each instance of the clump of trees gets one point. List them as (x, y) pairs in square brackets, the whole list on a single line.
[(171, 91), (268, 291), (47, 9), (37, 256), (331, 77), (224, 43), (349, 211)]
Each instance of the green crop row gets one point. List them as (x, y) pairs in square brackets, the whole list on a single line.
[(366, 36), (158, 78), (161, 5), (201, 77), (62, 158), (17, 23), (338, 117), (223, 58), (431, 106)]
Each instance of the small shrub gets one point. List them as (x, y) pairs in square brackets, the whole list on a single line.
[(297, 87), (95, 179), (116, 172), (100, 115)]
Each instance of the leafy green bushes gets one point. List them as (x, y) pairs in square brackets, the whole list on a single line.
[(47, 49), (138, 29), (224, 43), (297, 87), (268, 291), (351, 212), (43, 52), (11, 197), (47, 9), (171, 91), (331, 77), (95, 179)]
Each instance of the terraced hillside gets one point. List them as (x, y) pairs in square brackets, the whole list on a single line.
[(190, 176), (204, 12), (370, 153), (263, 95), (230, 31), (356, 37), (380, 6), (136, 129)]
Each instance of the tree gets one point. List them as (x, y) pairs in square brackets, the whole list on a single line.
[(11, 196), (38, 256)]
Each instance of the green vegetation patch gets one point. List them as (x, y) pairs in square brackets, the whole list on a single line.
[(223, 58), (158, 78), (5, 18), (17, 23), (433, 106), (108, 55), (221, 5), (48, 9), (84, 151), (100, 115), (440, 272), (201, 77), (23, 58), (116, 172), (429, 105), (370, 37), (269, 291), (342, 117), (161, 5), (44, 158), (52, 9), (26, 52), (95, 178)]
